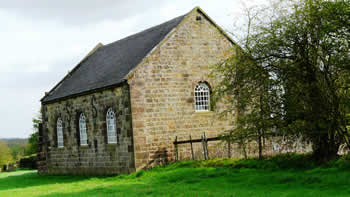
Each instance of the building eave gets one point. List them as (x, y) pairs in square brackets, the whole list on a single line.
[(124, 82)]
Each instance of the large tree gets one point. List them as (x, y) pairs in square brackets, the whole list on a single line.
[(5, 154), (293, 73), (34, 137)]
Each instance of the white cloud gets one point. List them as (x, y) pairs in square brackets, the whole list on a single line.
[(80, 12), (41, 40)]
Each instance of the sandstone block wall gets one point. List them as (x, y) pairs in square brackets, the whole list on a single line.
[(162, 91), (98, 157), (220, 149)]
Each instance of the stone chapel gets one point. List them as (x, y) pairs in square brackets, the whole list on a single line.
[(120, 109)]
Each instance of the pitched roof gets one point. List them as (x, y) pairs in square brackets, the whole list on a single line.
[(109, 64)]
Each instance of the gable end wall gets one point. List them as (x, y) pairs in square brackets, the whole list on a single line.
[(162, 91)]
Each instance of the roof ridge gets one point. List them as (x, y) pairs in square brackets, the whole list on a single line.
[(69, 86), (145, 30)]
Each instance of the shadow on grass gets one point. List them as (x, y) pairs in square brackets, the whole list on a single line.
[(117, 190), (196, 182), (31, 178), (223, 182)]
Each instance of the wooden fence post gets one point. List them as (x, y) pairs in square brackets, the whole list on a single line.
[(204, 155), (204, 140), (206, 146), (176, 150), (229, 148), (191, 147), (228, 139)]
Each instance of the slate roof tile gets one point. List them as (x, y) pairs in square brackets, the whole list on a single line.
[(111, 63)]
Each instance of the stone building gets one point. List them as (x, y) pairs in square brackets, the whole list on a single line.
[(120, 109)]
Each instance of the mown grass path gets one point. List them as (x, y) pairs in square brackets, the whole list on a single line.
[(183, 180)]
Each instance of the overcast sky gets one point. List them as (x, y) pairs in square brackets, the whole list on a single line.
[(41, 40)]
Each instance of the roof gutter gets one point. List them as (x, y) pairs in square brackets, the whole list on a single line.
[(124, 82)]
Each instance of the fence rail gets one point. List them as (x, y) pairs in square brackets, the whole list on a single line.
[(204, 140), (276, 144), (197, 140)]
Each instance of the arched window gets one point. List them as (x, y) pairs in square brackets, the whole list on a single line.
[(111, 127), (202, 97), (82, 129), (59, 133)]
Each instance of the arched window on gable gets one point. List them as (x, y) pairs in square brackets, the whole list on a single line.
[(111, 127), (82, 130), (60, 143), (202, 97)]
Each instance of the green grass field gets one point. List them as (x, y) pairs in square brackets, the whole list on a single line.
[(185, 179)]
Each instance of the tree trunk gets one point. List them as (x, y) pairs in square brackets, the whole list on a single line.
[(260, 144), (324, 149)]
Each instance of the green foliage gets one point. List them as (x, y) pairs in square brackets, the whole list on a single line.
[(249, 89), (5, 154), (294, 75), (278, 162), (33, 144), (18, 150), (138, 174), (18, 147), (34, 137), (190, 178), (28, 162), (342, 163)]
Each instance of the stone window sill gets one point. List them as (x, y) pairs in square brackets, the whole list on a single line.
[(112, 144), (203, 112)]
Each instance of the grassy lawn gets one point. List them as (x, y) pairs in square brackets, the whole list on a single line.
[(184, 179)]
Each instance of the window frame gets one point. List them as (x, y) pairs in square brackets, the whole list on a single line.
[(59, 130), (202, 97), (83, 137), (111, 127)]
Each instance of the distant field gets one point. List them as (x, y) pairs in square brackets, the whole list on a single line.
[(11, 142), (184, 179)]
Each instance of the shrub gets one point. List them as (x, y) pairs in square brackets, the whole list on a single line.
[(140, 173), (293, 160), (281, 161), (28, 162), (343, 162)]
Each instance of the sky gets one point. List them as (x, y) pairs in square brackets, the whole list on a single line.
[(40, 41)]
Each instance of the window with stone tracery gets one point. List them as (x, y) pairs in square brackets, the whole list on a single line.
[(60, 133), (202, 97), (83, 130), (111, 127)]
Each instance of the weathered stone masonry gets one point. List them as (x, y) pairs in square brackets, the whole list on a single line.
[(153, 104), (98, 157), (162, 90)]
